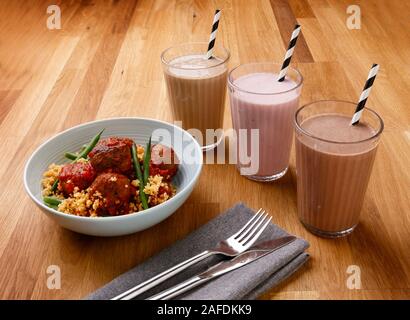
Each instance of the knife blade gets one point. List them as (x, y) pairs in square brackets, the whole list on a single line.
[(254, 253)]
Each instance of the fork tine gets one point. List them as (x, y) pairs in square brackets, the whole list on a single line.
[(256, 215), (244, 234), (256, 232), (250, 226)]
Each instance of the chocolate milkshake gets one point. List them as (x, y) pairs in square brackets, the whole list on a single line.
[(196, 89), (334, 161)]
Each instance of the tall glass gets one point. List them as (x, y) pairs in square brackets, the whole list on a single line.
[(259, 101), (334, 161), (196, 88)]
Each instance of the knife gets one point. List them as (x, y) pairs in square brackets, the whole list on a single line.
[(223, 267)]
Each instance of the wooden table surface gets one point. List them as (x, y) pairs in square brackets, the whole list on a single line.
[(104, 62)]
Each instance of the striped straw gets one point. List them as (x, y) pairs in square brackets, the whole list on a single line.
[(289, 52), (365, 94), (215, 24)]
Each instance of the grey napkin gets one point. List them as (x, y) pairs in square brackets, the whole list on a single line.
[(247, 282)]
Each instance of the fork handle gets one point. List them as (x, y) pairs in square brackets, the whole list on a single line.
[(159, 278), (179, 288)]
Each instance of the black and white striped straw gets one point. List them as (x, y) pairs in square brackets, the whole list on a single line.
[(289, 52), (365, 94), (215, 24)]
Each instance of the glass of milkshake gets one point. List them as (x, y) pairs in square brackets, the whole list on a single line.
[(259, 101), (334, 161), (196, 89)]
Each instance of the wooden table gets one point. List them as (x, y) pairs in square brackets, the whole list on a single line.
[(104, 62)]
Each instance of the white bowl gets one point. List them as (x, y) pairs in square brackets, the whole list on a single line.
[(139, 129)]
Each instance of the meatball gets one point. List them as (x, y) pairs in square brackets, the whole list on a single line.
[(112, 154), (115, 191), (78, 174), (163, 161)]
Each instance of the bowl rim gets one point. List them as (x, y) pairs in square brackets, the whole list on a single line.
[(120, 217)]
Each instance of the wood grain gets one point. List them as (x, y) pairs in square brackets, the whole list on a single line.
[(286, 21), (104, 62)]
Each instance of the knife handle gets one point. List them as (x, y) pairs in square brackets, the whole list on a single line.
[(159, 278), (179, 288)]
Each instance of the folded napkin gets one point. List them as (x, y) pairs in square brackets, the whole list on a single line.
[(247, 282)]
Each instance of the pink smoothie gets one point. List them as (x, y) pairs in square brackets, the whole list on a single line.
[(268, 105)]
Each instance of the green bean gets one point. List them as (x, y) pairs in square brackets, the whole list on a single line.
[(73, 156), (147, 158), (52, 202), (138, 172), (54, 186), (90, 146), (83, 154), (70, 155)]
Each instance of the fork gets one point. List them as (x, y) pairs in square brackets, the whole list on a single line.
[(231, 247)]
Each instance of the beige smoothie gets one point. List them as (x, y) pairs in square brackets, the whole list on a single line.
[(196, 90), (332, 178)]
